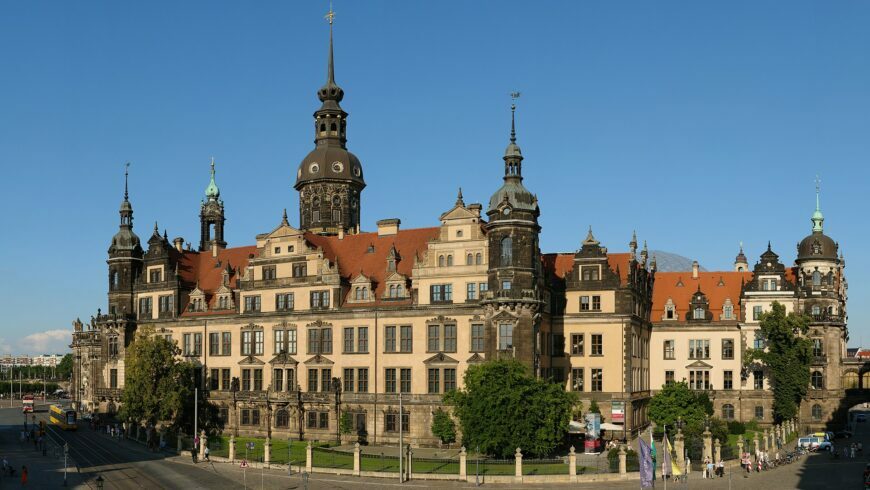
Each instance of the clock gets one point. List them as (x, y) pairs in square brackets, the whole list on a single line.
[(506, 211)]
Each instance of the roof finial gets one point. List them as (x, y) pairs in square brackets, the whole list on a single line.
[(212, 191), (330, 70), (126, 174), (818, 219), (459, 201), (741, 246), (768, 245), (284, 218), (514, 96)]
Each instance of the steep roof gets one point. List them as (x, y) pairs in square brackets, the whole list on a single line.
[(718, 286), (561, 264), (206, 271)]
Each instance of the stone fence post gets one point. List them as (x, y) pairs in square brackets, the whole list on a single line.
[(708, 443), (410, 466), (203, 443), (179, 441), (622, 465), (572, 464), (267, 451), (739, 447), (717, 450), (755, 446), (356, 459), (232, 449), (518, 465), (679, 448), (463, 461), (309, 457)]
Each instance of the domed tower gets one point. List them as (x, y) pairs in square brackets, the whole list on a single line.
[(330, 178), (211, 217), (512, 320), (125, 260), (740, 262)]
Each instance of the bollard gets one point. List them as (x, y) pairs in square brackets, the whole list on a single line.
[(180, 440), (622, 466), (203, 443), (572, 464), (410, 472), (356, 459), (309, 457), (463, 461), (518, 465)]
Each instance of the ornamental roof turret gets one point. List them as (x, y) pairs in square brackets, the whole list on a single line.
[(212, 192), (817, 245), (513, 194), (125, 240)]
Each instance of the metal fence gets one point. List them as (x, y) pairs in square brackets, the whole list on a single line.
[(435, 466), (379, 462)]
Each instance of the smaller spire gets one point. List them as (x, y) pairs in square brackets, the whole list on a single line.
[(459, 201), (818, 219), (212, 192), (768, 246), (156, 231), (284, 221), (632, 245), (126, 174), (590, 238), (512, 154)]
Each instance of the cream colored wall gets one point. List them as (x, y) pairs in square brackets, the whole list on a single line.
[(681, 334), (611, 360), (608, 302)]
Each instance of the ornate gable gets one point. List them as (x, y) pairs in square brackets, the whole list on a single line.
[(319, 360), (475, 358), (251, 361), (283, 358), (440, 358)]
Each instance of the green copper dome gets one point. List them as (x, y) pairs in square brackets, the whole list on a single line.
[(212, 191)]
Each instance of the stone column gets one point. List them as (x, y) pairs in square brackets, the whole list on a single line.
[(518, 465), (717, 450), (180, 441), (232, 449), (740, 446), (755, 446), (765, 442), (356, 459), (622, 465), (410, 471), (708, 443), (572, 464), (203, 442), (267, 450), (463, 461), (680, 449), (309, 457)]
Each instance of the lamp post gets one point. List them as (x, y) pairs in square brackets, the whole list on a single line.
[(336, 387), (299, 408)]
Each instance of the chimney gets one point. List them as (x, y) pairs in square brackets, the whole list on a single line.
[(214, 248), (388, 226), (179, 244), (695, 268), (475, 208), (341, 233)]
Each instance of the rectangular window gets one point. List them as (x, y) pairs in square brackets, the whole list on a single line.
[(597, 379), (728, 380), (291, 381), (269, 272), (471, 290), (214, 380), (362, 341), (390, 422), (246, 417), (596, 303), (576, 344), (758, 341), (348, 380), (145, 306), (577, 379), (449, 379), (449, 338), (434, 380), (226, 343), (197, 344), (279, 341), (166, 303), (669, 378), (312, 420), (669, 349), (291, 340), (278, 379), (390, 338), (756, 312), (505, 336), (817, 348), (258, 342), (313, 341), (348, 340), (362, 382), (154, 275), (390, 380), (759, 412), (325, 380), (441, 293), (477, 337), (225, 379), (758, 380), (699, 380), (300, 270), (433, 338), (727, 348), (113, 378), (597, 348), (699, 349), (506, 285), (284, 301), (252, 303), (214, 343), (312, 380), (319, 300), (405, 380), (584, 303), (406, 341), (589, 273), (188, 347), (246, 380)]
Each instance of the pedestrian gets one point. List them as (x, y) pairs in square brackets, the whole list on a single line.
[(852, 452), (720, 468), (23, 476), (206, 454), (709, 468), (5, 465), (688, 466)]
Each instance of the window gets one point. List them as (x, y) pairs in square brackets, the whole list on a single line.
[(348, 340), (589, 273), (225, 379), (362, 381), (669, 312), (284, 301), (597, 348), (506, 285), (758, 342), (817, 381), (758, 380), (348, 380), (432, 338), (728, 412), (477, 337), (113, 346), (323, 420), (319, 300), (405, 380), (300, 270), (478, 259), (506, 251), (699, 349), (113, 378), (434, 380), (727, 348), (246, 417), (326, 380), (312, 380), (817, 278), (669, 349), (197, 344), (727, 313), (246, 380), (471, 291), (320, 340), (291, 381), (269, 272), (214, 343), (391, 420), (449, 338), (669, 378), (596, 303), (597, 379), (756, 312), (759, 412), (166, 303), (282, 419), (362, 339), (390, 380), (277, 250), (390, 338), (145, 306), (312, 420), (449, 379), (584, 303), (469, 259), (699, 379), (187, 350), (441, 293), (440, 261), (505, 336), (817, 310), (278, 379), (449, 260), (817, 412), (576, 344), (728, 380), (252, 303), (699, 314), (406, 340), (818, 351), (291, 341), (154, 275), (577, 379)]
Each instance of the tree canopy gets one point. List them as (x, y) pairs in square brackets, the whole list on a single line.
[(64, 369), (443, 427), (787, 357), (502, 407), (677, 400)]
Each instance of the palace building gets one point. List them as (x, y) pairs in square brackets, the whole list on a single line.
[(309, 321)]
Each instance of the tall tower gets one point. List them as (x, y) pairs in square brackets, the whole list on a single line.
[(330, 178), (125, 260), (211, 216), (512, 319)]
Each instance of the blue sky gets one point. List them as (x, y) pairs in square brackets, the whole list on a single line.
[(700, 125)]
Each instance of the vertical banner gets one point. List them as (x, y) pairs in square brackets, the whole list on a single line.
[(617, 412), (646, 463)]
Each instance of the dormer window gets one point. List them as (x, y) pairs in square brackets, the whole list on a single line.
[(669, 312), (727, 312), (589, 273), (768, 285), (699, 313), (155, 275), (361, 293)]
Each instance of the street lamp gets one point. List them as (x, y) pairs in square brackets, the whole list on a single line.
[(299, 408), (336, 387)]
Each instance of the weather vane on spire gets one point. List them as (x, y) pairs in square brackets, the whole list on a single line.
[(330, 15), (514, 96), (126, 173)]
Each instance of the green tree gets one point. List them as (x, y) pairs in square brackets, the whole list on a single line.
[(345, 424), (443, 427), (593, 407), (787, 357), (676, 400), (157, 386), (64, 369), (502, 406)]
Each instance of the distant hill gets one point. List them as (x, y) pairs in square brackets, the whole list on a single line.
[(670, 262)]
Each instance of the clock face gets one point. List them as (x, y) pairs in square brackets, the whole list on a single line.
[(506, 211)]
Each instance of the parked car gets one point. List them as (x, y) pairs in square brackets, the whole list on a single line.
[(825, 446), (805, 442)]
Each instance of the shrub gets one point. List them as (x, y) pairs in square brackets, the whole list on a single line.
[(752, 425), (631, 460), (736, 428)]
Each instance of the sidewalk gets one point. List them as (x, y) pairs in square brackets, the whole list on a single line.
[(42, 471)]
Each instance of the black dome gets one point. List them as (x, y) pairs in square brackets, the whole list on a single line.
[(817, 246), (327, 162)]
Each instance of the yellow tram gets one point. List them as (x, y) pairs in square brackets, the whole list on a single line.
[(65, 418)]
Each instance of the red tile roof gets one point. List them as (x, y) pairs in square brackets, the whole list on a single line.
[(561, 264), (718, 286), (201, 268)]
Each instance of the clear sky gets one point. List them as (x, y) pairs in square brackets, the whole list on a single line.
[(699, 124)]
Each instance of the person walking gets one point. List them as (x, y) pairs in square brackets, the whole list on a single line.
[(852, 452), (23, 476), (206, 454), (710, 468)]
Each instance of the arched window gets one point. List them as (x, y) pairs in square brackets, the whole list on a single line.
[(850, 380), (818, 348), (365, 293), (728, 412), (699, 313), (356, 293), (817, 412), (469, 259), (392, 291), (333, 127), (282, 419), (440, 261), (322, 127), (449, 260), (817, 381), (817, 278), (727, 312), (507, 251), (478, 259), (114, 279), (399, 292)]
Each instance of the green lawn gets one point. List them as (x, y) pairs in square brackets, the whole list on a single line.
[(219, 446)]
